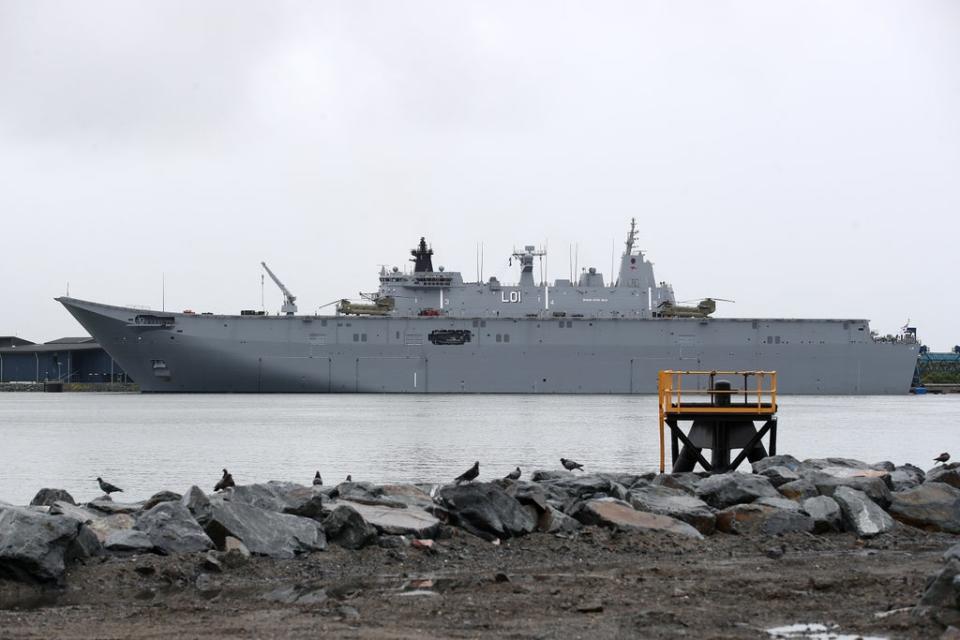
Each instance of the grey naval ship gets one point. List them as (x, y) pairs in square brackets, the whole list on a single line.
[(429, 331)]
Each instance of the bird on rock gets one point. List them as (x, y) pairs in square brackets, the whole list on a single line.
[(225, 481), (943, 457), (108, 488), (469, 474), (570, 465), (317, 480), (513, 475)]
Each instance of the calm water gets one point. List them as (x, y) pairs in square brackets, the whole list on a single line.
[(146, 442)]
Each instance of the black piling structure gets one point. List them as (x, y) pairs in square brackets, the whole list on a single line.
[(723, 418)]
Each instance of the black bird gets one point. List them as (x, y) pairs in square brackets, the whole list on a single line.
[(108, 488), (570, 465), (469, 474), (513, 475), (943, 457), (225, 481), (317, 480), (349, 478)]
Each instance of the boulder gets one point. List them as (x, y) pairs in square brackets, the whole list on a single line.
[(686, 481), (875, 487), (528, 493), (34, 546), (906, 477), (197, 503), (786, 461), (826, 514), (485, 510), (945, 473), (172, 529), (281, 497), (942, 595), (412, 521), (835, 464), (266, 533), (106, 505), (761, 518), (726, 489), (779, 475), (555, 521), (933, 507), (798, 490), (366, 493), (347, 528), (99, 523), (160, 496), (585, 486), (778, 503), (617, 514), (128, 540), (46, 497), (550, 476), (675, 503), (85, 545), (629, 480), (408, 494), (861, 514)]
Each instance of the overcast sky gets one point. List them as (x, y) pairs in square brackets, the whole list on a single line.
[(801, 158)]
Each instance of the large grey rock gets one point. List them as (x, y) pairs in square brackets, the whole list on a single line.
[(172, 529), (528, 493), (485, 510), (785, 460), (106, 505), (267, 533), (34, 546), (798, 490), (941, 597), (675, 503), (46, 497), (934, 507), (686, 481), (875, 487), (101, 524), (161, 496), (584, 486), (617, 514), (831, 464), (826, 514), (408, 494), (763, 519), (366, 493), (128, 540), (861, 514), (85, 545), (779, 475), (906, 477), (550, 476), (555, 521), (726, 489), (198, 504), (347, 528), (945, 473), (778, 503), (281, 497), (395, 521)]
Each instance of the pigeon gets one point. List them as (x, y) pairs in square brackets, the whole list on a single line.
[(943, 457), (317, 480), (469, 474), (349, 478), (108, 488), (570, 465), (225, 481), (513, 475)]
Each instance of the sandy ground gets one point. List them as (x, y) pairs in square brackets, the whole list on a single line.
[(596, 584)]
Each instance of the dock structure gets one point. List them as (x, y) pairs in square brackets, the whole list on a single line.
[(724, 417)]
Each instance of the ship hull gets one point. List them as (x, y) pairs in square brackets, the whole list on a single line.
[(345, 354)]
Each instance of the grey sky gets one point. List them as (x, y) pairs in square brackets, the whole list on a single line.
[(802, 158)]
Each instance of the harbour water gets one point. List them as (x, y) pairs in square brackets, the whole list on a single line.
[(147, 442)]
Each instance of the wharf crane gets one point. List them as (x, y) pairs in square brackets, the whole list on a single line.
[(289, 300)]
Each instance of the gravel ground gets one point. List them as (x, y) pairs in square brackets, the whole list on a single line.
[(594, 584)]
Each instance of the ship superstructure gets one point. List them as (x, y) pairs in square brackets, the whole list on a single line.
[(429, 331)]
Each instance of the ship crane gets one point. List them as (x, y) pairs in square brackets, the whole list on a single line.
[(289, 300)]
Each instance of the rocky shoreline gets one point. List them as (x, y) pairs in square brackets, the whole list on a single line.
[(192, 547)]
